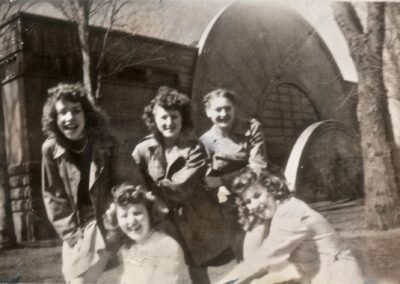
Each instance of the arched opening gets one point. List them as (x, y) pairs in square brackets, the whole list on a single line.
[(285, 111)]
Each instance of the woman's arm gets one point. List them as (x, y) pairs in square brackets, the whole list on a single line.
[(257, 159), (186, 172), (194, 167), (285, 236), (57, 203), (258, 153)]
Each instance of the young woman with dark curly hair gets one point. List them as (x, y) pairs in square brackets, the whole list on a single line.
[(174, 165), (300, 245), (81, 161)]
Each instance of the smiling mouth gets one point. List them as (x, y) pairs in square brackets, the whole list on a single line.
[(169, 129), (260, 210), (135, 229), (224, 120), (71, 127)]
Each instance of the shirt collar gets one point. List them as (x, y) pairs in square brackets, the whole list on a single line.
[(103, 144), (58, 151), (239, 126)]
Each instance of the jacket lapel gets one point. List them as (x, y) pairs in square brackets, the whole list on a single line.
[(175, 162), (100, 155), (157, 163), (71, 172)]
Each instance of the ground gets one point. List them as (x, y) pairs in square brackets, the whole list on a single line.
[(377, 253)]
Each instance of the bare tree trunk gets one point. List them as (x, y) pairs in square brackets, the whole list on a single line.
[(83, 31), (382, 198), (391, 67)]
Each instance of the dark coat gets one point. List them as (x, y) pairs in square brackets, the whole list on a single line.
[(61, 178), (193, 209)]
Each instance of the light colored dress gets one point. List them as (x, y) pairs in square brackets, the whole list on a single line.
[(157, 260), (302, 238)]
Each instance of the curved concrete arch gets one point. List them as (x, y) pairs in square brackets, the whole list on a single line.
[(251, 44), (342, 146)]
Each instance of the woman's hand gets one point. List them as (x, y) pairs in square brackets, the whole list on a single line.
[(110, 217), (213, 182), (167, 184), (75, 238), (223, 194)]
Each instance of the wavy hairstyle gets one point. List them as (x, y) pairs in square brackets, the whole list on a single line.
[(126, 194), (219, 93), (169, 99), (96, 122), (274, 183)]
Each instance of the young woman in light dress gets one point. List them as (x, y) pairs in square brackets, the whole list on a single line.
[(286, 240), (148, 254)]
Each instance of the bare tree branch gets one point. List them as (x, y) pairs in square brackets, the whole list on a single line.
[(350, 25)]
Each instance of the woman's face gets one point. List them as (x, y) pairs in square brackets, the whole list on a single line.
[(168, 122), (259, 201), (70, 119), (221, 111), (134, 221)]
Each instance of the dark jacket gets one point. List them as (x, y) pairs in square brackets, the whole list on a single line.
[(194, 210), (61, 178)]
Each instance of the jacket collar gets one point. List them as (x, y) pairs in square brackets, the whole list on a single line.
[(155, 148), (183, 140), (239, 127), (58, 151), (98, 145)]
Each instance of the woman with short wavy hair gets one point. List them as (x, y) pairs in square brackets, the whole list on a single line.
[(148, 254), (300, 246), (232, 144), (173, 164)]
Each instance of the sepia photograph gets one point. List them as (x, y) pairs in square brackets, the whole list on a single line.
[(200, 141)]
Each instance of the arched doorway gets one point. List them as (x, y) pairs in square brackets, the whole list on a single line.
[(285, 110)]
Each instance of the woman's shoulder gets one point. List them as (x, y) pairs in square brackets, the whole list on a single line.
[(49, 147), (49, 144), (147, 141), (207, 136), (290, 213), (292, 207), (165, 244)]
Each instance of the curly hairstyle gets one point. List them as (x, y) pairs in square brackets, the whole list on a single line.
[(224, 93), (126, 194), (274, 183), (169, 99), (96, 122)]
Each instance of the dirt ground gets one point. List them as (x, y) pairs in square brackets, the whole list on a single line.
[(377, 252)]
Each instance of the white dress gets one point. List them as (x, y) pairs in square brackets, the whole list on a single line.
[(302, 243), (157, 260)]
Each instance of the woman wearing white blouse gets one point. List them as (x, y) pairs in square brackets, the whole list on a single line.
[(301, 246)]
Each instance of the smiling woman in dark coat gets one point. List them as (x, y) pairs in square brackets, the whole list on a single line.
[(81, 161)]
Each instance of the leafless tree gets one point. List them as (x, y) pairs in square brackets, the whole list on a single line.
[(80, 12), (10, 7), (366, 44)]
